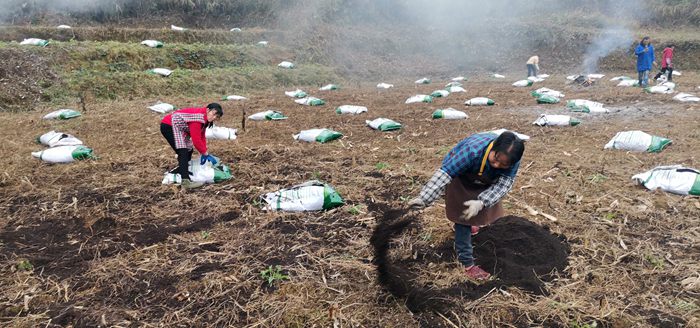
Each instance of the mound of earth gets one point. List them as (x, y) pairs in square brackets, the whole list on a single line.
[(24, 76)]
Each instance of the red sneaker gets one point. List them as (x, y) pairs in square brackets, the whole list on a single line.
[(475, 230), (476, 273)]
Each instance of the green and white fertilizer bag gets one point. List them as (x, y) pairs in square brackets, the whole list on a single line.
[(34, 42), (57, 139), (459, 78), (419, 98), (62, 114), (662, 89), (638, 141), (263, 44), (595, 76), (318, 135), (523, 83), (546, 92), (206, 173), (220, 133), (450, 114), (383, 124), (152, 43), (286, 64), (236, 29), (628, 83), (586, 106), (556, 120), (573, 77), (675, 179), (384, 86), (480, 101), (686, 97), (620, 78), (309, 196), (162, 108), (535, 79), (268, 115), (547, 99), (329, 87), (520, 136), (234, 98), (453, 84), (310, 101), (177, 28), (440, 93), (424, 80), (296, 94), (350, 109), (160, 71), (453, 89), (63, 27), (498, 76), (64, 154)]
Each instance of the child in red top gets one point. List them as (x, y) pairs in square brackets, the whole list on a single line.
[(184, 129), (667, 62)]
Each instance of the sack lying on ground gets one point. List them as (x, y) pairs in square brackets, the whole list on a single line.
[(424, 80), (628, 83), (585, 106), (384, 85), (268, 115), (57, 139), (419, 98), (318, 135), (236, 29), (662, 89), (556, 120), (547, 99), (350, 109), (64, 154), (522, 83), (546, 92), (263, 44), (499, 76), (543, 76), (329, 87), (450, 114), (596, 76), (383, 124), (519, 135), (62, 114), (455, 89), (637, 141), (160, 71), (459, 78), (34, 42), (440, 93), (674, 179), (63, 27), (234, 98), (309, 196), (162, 108), (676, 73), (686, 97), (200, 173), (177, 28), (535, 79), (286, 64), (296, 93), (220, 133), (480, 101), (310, 101), (453, 84), (152, 43), (620, 78)]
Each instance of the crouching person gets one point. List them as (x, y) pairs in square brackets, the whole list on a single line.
[(475, 175)]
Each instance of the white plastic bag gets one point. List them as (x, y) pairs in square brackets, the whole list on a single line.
[(309, 196), (459, 78), (424, 80), (220, 133), (384, 85), (480, 101), (262, 43), (440, 93), (34, 42), (64, 154), (620, 78), (318, 135), (677, 73), (662, 89), (556, 120), (686, 97), (455, 88), (351, 109), (310, 101), (152, 43), (453, 84), (286, 64), (522, 83), (268, 115), (450, 114), (161, 71), (235, 98), (177, 28), (547, 92), (543, 76), (383, 124), (637, 141), (499, 76), (596, 76), (236, 29), (57, 139), (62, 114), (200, 173), (298, 93), (63, 27), (674, 179), (329, 87), (535, 79), (628, 83), (519, 135), (162, 108), (419, 98), (586, 106)]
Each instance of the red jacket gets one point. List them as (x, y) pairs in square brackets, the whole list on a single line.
[(667, 59), (189, 123)]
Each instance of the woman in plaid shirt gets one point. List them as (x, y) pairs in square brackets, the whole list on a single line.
[(475, 175), (184, 129)]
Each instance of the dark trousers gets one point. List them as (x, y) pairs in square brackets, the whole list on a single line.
[(184, 155), (463, 244), (531, 70), (664, 70)]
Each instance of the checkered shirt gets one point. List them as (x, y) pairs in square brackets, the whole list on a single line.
[(181, 130)]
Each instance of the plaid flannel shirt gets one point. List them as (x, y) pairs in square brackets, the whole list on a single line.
[(181, 130)]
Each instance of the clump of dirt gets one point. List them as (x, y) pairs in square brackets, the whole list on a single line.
[(24, 76), (521, 253)]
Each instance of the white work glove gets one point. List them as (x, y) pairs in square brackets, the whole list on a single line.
[(473, 207), (416, 204)]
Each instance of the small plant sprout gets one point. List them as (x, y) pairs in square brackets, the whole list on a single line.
[(25, 265), (381, 165), (354, 210), (205, 234), (596, 178), (273, 274)]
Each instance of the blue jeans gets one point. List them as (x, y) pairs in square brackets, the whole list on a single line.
[(643, 78), (463, 244), (531, 70)]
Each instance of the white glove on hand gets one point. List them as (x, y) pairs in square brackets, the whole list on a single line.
[(416, 204), (473, 207)]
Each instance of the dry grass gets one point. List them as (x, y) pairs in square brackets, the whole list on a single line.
[(111, 246)]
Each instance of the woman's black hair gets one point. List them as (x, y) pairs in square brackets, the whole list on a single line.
[(671, 45), (510, 145), (644, 38), (217, 108)]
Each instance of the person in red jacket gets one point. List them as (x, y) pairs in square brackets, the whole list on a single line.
[(667, 63), (184, 129)]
